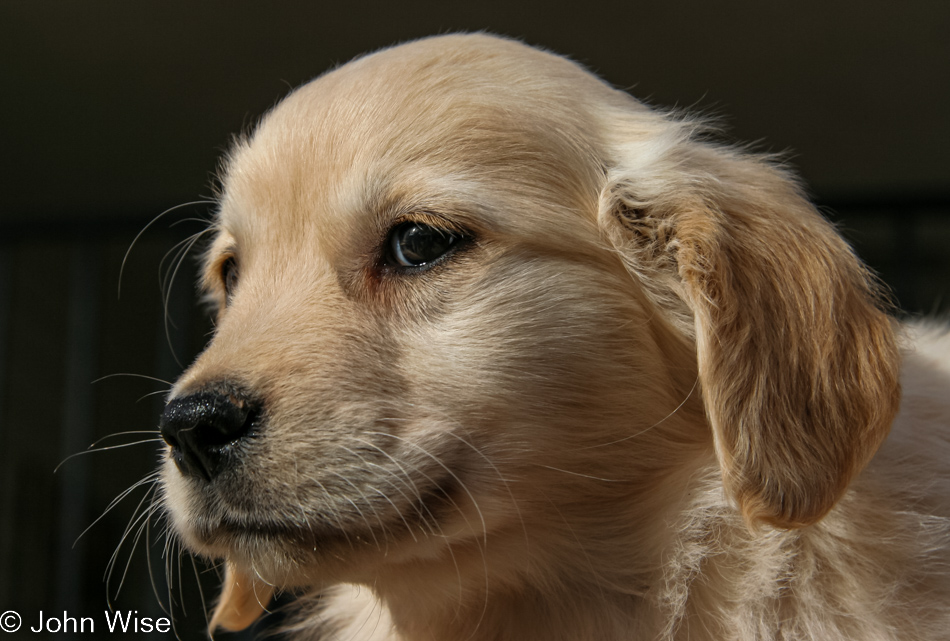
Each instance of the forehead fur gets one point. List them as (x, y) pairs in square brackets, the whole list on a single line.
[(475, 112)]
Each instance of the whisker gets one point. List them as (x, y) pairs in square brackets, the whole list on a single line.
[(204, 221), (455, 477), (406, 476), (295, 488), (383, 494), (586, 476), (171, 552), (416, 489), (359, 511), (177, 251), (92, 449), (142, 527), (152, 508), (125, 258), (201, 592), (334, 512), (125, 433), (132, 374), (482, 542), (432, 521), (504, 481), (155, 393), (645, 430), (104, 449), (169, 281), (181, 585), (151, 478), (137, 523)]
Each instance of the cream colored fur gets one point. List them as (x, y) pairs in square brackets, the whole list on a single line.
[(649, 399)]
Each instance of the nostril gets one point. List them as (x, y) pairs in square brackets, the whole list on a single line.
[(168, 437), (201, 428), (224, 419)]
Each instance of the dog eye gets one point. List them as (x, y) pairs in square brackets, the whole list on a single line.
[(229, 276), (414, 244)]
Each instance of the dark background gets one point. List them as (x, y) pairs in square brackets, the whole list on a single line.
[(113, 111)]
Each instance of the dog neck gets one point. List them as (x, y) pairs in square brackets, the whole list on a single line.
[(503, 587)]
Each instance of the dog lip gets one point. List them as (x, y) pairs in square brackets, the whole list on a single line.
[(429, 509), (265, 529), (280, 536), (230, 532)]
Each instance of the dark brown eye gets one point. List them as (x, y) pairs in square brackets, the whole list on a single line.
[(229, 276), (414, 244)]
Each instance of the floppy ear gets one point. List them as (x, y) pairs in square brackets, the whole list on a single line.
[(797, 363), (243, 600)]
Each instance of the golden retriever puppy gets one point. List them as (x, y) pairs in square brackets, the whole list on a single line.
[(502, 354)]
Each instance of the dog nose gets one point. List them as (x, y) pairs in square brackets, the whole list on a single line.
[(202, 430)]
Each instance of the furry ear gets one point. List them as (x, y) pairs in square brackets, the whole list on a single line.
[(798, 364), (243, 600)]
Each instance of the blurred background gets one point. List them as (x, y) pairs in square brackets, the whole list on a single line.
[(113, 112)]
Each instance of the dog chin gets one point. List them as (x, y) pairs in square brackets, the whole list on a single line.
[(279, 555), (288, 555), (201, 518)]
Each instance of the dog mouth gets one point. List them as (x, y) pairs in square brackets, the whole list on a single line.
[(223, 530), (229, 527)]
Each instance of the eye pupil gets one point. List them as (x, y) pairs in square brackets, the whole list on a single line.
[(416, 244), (229, 275)]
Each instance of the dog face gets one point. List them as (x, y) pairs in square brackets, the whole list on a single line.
[(403, 313), (471, 301)]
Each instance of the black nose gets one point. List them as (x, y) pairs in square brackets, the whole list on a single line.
[(202, 430)]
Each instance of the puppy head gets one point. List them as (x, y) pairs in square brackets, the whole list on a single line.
[(417, 320), (462, 279)]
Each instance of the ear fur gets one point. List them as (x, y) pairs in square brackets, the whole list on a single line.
[(798, 364), (243, 600)]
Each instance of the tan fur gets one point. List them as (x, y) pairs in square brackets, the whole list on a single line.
[(242, 602), (650, 399)]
